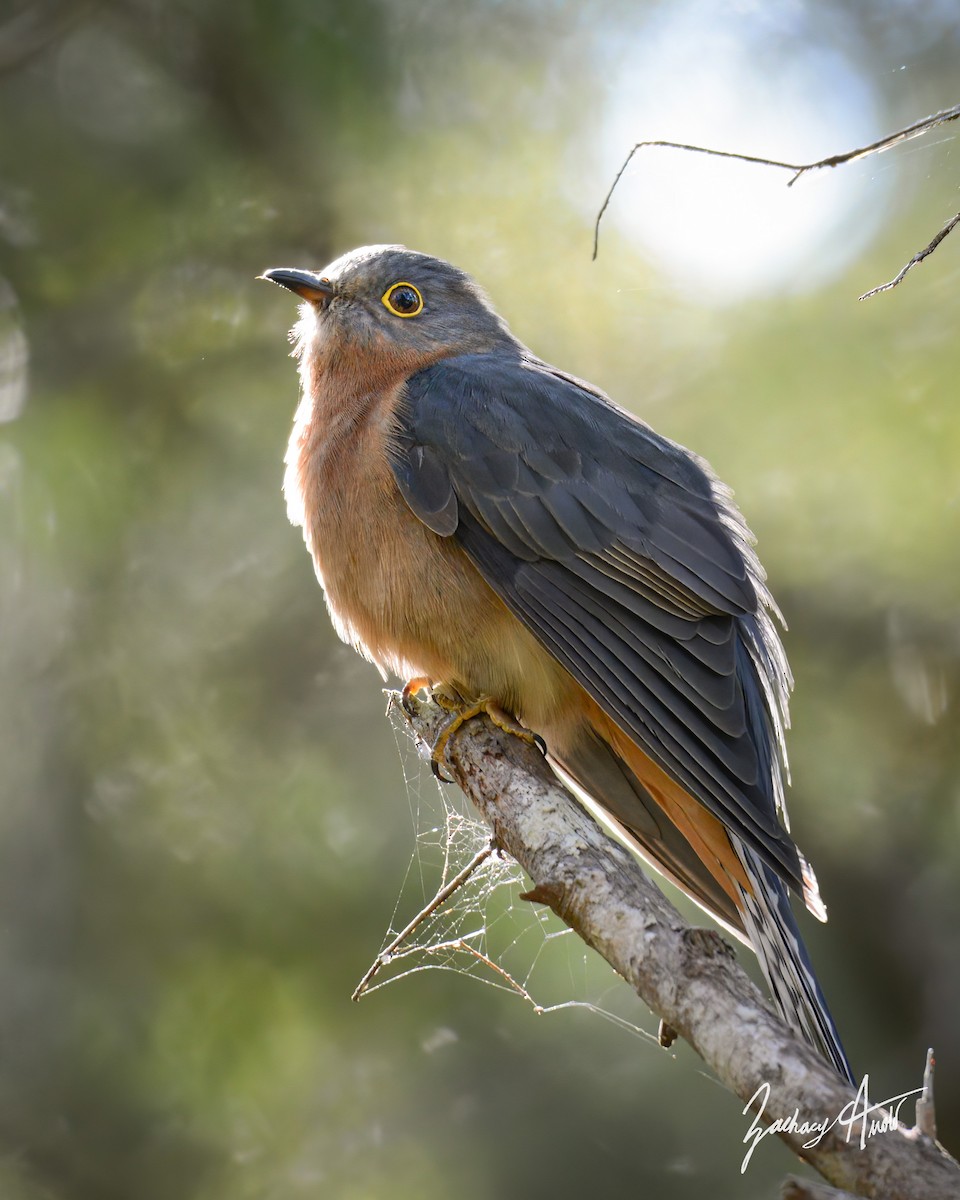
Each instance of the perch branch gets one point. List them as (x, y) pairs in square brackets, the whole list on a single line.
[(687, 976)]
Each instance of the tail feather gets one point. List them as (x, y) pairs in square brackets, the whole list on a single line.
[(775, 936), (614, 793), (735, 886)]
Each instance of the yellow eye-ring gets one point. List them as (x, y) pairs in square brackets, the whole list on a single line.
[(403, 299)]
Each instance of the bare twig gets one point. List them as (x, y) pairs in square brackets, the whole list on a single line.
[(917, 129), (750, 158), (687, 976), (442, 896), (917, 258), (463, 946), (926, 1111)]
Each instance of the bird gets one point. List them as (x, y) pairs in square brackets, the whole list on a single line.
[(485, 524)]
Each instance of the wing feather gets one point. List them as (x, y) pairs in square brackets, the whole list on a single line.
[(626, 559)]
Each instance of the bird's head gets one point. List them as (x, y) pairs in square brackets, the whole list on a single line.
[(385, 308)]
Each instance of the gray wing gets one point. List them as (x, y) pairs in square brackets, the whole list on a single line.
[(625, 557)]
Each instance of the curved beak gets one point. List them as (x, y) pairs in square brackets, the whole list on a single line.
[(308, 286)]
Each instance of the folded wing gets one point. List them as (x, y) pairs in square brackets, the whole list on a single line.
[(626, 558)]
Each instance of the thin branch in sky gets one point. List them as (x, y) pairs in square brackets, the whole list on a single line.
[(917, 258), (917, 129)]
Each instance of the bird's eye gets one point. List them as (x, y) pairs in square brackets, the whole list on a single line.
[(403, 300)]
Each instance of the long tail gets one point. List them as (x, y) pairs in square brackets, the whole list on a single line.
[(734, 886), (772, 928)]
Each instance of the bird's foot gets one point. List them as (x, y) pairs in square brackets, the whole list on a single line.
[(502, 719), (466, 712), (419, 683), (442, 693)]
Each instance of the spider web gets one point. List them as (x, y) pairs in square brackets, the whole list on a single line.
[(459, 909)]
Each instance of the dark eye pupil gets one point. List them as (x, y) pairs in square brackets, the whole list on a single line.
[(404, 299)]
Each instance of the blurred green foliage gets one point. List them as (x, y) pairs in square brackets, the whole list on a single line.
[(203, 818)]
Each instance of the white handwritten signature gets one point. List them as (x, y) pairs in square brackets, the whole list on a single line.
[(855, 1113)]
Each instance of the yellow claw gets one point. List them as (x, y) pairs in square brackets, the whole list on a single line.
[(419, 683), (461, 715)]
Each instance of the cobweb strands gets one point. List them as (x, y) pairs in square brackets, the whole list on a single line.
[(461, 908)]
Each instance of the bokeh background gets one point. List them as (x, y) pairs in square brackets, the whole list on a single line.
[(204, 819)]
